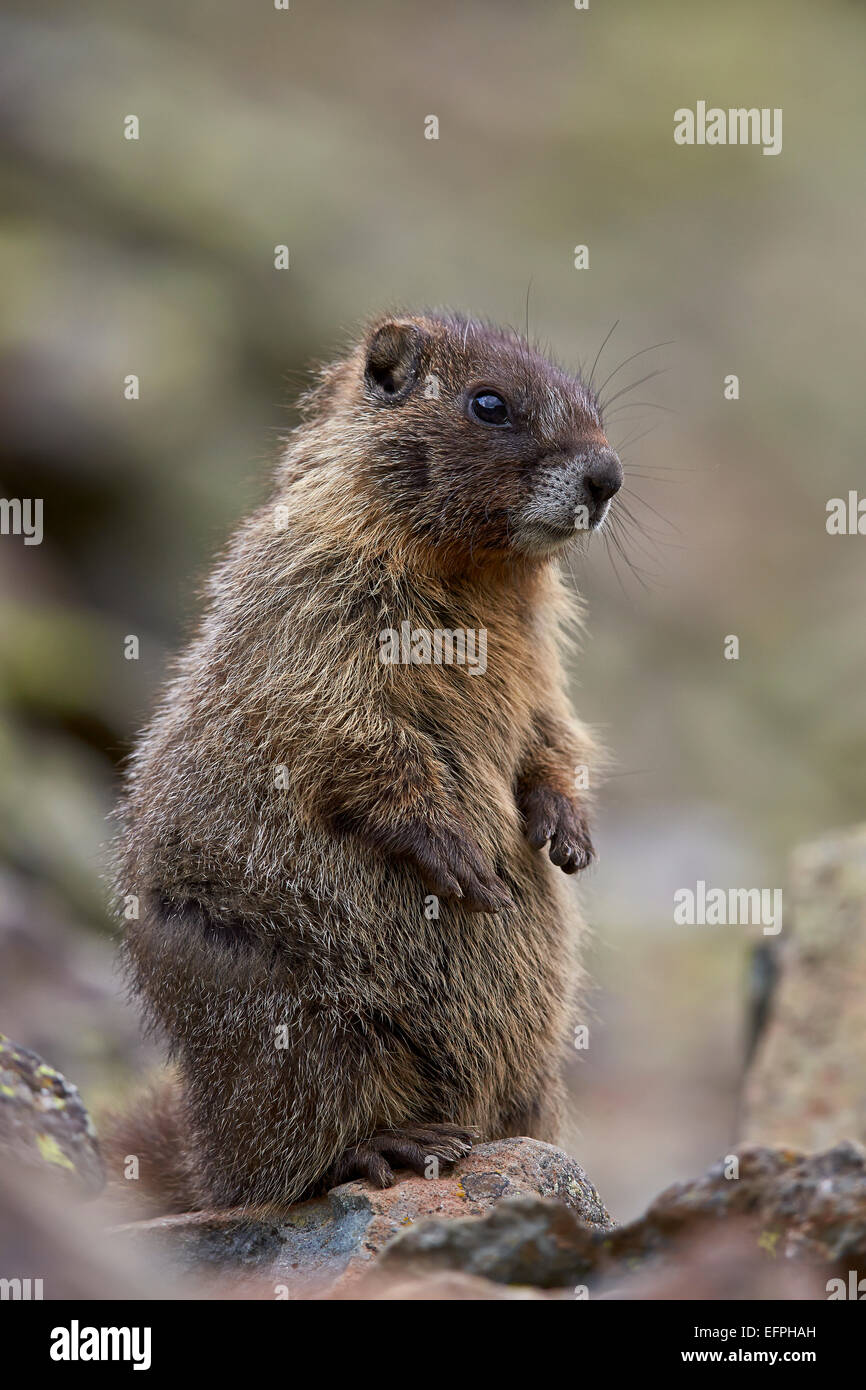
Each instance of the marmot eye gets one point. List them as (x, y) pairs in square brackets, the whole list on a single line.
[(489, 408)]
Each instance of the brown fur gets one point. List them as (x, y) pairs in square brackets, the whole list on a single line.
[(303, 909)]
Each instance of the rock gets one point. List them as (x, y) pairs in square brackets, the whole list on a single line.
[(805, 1088), (781, 1207), (44, 1124), (810, 1207), (520, 1220), (330, 1241), (713, 1263), (524, 1240)]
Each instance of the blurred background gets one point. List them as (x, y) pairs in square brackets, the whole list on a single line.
[(155, 257)]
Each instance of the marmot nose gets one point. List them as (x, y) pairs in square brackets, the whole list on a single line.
[(602, 476)]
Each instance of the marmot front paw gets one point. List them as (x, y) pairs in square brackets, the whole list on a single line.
[(550, 815), (413, 1147), (450, 861)]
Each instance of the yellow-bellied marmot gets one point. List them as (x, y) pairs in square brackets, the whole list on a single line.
[(347, 930)]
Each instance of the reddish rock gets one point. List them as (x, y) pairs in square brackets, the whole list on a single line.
[(518, 1217), (793, 1221), (331, 1240)]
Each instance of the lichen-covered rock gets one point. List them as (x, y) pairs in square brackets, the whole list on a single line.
[(777, 1205), (522, 1216), (805, 1087), (489, 1173), (524, 1240), (44, 1124), (334, 1239), (810, 1206)]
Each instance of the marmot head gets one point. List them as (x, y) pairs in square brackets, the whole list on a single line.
[(468, 436)]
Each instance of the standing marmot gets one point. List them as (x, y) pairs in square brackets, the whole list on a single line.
[(333, 824)]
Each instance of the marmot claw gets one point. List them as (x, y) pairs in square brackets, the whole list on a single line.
[(452, 863), (550, 815), (413, 1147)]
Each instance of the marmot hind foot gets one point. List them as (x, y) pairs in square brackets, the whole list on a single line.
[(415, 1147)]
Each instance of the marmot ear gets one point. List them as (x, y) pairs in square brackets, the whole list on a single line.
[(393, 360)]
